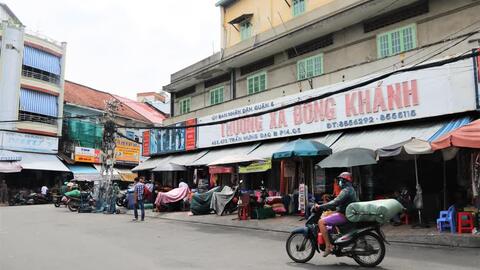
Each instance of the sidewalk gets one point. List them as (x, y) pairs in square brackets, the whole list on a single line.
[(402, 234)]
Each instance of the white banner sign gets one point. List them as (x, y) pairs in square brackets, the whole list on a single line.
[(411, 95), (28, 142)]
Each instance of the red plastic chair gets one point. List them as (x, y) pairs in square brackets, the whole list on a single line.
[(405, 219), (465, 222), (244, 208)]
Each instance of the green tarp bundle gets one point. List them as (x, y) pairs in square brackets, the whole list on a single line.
[(200, 204), (380, 211), (74, 193)]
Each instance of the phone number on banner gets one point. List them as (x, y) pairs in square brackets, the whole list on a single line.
[(372, 120)]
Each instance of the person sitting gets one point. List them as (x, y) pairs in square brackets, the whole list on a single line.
[(347, 195)]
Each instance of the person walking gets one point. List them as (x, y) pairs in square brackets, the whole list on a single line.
[(3, 192), (138, 197)]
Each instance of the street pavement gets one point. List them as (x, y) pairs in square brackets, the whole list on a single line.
[(44, 237)]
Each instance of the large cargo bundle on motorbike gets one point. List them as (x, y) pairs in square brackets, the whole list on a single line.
[(380, 211), (74, 193)]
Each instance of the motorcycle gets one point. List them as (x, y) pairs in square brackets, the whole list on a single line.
[(75, 203), (17, 199), (37, 198), (364, 242), (122, 200), (232, 205)]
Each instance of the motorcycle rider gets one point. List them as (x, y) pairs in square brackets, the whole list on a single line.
[(347, 195)]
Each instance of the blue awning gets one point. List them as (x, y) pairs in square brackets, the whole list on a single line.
[(38, 59), (450, 126), (82, 169), (38, 102)]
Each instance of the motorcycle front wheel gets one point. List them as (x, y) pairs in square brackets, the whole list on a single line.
[(300, 248), (369, 250)]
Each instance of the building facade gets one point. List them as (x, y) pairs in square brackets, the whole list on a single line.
[(320, 70), (32, 69)]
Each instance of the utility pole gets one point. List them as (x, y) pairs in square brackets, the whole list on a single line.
[(106, 197)]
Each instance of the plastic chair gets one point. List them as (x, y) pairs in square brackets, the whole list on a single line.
[(446, 221), (244, 208), (465, 222)]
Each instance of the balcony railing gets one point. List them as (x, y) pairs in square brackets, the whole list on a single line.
[(25, 116), (51, 78)]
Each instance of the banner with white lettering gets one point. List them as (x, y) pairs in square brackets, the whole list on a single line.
[(411, 95)]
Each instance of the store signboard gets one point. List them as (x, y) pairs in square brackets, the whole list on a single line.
[(219, 169), (28, 142), (146, 143), (172, 140), (127, 151), (261, 166), (87, 155), (405, 96)]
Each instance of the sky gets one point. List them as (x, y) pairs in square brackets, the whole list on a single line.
[(121, 46)]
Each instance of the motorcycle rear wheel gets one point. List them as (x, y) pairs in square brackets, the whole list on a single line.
[(72, 207), (368, 239), (296, 241)]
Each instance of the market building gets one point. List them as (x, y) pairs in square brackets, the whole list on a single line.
[(32, 69), (275, 53), (82, 138)]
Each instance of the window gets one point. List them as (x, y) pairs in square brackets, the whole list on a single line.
[(245, 30), (257, 83), (298, 7), (397, 41), (185, 105), (216, 95), (310, 67)]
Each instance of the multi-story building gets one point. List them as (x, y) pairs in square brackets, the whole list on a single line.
[(32, 69), (275, 53), (82, 138), (160, 101)]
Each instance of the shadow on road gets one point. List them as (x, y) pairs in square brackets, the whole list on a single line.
[(339, 266)]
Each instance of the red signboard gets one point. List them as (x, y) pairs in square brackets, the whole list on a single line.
[(219, 169), (146, 144), (190, 138)]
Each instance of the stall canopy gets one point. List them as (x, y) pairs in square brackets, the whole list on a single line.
[(302, 148), (41, 162), (233, 159), (187, 158), (169, 167), (380, 137), (466, 136), (125, 174), (151, 163), (214, 154), (9, 156), (84, 172), (413, 146), (349, 158)]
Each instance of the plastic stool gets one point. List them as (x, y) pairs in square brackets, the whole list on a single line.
[(405, 219), (465, 222)]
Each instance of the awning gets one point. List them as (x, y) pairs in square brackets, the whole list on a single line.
[(214, 154), (41, 162), (450, 126), (9, 156), (380, 137), (10, 167), (38, 102), (187, 158), (125, 174), (151, 163), (266, 150), (241, 18), (466, 136), (38, 59), (328, 139), (85, 173), (234, 159)]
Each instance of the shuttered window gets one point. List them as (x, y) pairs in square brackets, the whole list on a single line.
[(257, 83), (41, 60), (310, 67), (38, 103), (245, 30), (216, 95), (185, 105), (298, 7), (397, 41)]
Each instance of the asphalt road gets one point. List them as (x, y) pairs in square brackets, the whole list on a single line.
[(44, 237)]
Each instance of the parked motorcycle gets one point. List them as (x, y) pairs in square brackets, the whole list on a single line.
[(122, 200), (74, 203), (17, 199), (363, 242), (232, 205), (37, 198)]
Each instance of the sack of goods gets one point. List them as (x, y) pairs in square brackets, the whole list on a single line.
[(380, 211), (74, 193)]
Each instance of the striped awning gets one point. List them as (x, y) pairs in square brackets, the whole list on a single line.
[(38, 59), (450, 126), (38, 102)]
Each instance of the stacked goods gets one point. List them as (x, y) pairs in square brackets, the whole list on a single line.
[(380, 211), (74, 193)]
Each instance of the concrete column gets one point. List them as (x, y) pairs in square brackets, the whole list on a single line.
[(62, 89)]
